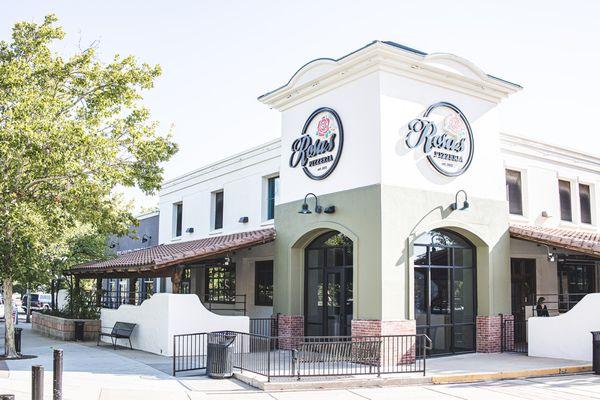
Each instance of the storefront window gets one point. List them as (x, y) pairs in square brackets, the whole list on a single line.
[(444, 290), (220, 284), (263, 283), (329, 285), (186, 281)]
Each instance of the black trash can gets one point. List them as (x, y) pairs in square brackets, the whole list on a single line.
[(219, 357), (79, 325), (596, 352), (18, 339)]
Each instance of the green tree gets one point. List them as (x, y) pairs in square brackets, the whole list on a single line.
[(71, 131)]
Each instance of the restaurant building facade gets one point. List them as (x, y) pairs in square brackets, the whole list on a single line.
[(391, 204)]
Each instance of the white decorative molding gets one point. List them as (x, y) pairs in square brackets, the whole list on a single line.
[(456, 74)]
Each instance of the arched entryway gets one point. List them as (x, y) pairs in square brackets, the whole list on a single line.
[(328, 285), (445, 291)]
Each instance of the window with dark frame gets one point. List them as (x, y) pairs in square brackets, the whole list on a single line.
[(272, 192), (263, 283), (513, 192), (178, 218), (218, 222), (220, 284), (185, 287), (585, 203), (564, 191)]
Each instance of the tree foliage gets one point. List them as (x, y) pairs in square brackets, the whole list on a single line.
[(71, 131)]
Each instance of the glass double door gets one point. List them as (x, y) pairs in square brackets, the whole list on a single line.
[(328, 286), (444, 292)]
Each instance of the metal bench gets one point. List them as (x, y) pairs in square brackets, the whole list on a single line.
[(339, 353), (121, 330)]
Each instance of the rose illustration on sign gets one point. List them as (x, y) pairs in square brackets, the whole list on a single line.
[(445, 136), (323, 128), (319, 147)]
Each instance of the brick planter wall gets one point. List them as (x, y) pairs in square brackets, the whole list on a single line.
[(394, 350), (63, 328)]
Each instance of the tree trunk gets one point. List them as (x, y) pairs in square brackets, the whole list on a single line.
[(9, 331)]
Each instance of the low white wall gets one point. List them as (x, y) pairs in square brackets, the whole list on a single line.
[(164, 315), (567, 335)]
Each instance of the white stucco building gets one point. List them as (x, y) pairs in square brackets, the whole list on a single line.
[(391, 204)]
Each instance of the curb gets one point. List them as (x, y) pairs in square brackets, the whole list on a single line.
[(259, 382), (527, 373)]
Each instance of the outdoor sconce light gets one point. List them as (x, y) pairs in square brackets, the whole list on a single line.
[(243, 220), (329, 210), (189, 230), (550, 254), (146, 238), (227, 260), (454, 206), (305, 210)]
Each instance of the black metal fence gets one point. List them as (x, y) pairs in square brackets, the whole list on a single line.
[(305, 356), (264, 326), (224, 303), (514, 336)]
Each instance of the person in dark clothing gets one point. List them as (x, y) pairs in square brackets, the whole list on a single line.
[(541, 309)]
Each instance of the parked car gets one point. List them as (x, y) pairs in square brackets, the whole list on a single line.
[(39, 301)]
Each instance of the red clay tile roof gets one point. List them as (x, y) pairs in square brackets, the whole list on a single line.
[(164, 255), (571, 239)]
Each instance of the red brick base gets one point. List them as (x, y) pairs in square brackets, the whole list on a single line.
[(489, 333), (292, 327), (395, 350)]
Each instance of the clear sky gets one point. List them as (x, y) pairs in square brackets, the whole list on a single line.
[(218, 56)]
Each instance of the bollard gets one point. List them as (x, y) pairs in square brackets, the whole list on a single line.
[(57, 375), (37, 382)]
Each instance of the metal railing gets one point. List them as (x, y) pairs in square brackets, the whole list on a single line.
[(234, 304), (306, 356), (513, 337), (264, 326), (113, 299)]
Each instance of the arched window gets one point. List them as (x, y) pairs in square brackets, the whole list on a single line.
[(445, 291), (328, 285)]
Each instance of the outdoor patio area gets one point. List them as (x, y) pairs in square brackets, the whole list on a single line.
[(92, 372)]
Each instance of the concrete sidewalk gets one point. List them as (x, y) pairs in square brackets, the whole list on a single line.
[(92, 372)]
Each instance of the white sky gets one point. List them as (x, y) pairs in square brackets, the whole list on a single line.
[(218, 56)]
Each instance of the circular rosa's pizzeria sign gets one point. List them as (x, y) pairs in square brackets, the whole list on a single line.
[(445, 136), (319, 147)]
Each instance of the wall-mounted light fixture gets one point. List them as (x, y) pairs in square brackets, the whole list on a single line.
[(146, 238), (305, 210), (329, 210), (243, 220), (550, 253), (227, 260), (465, 204), (190, 230)]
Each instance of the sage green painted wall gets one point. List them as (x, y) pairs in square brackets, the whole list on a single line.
[(358, 216), (383, 221), (407, 213)]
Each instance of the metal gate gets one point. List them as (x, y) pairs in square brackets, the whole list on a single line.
[(513, 335)]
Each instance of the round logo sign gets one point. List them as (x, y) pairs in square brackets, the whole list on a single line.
[(445, 136), (319, 147)]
